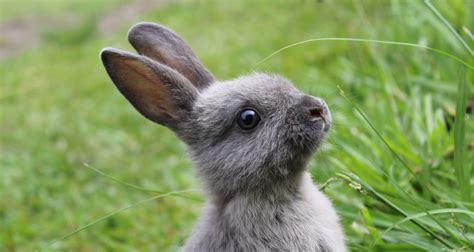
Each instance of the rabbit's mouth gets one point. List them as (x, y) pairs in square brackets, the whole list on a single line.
[(326, 125), (326, 120)]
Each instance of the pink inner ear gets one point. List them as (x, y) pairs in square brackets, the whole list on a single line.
[(141, 86)]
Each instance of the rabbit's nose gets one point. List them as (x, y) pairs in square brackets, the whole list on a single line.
[(315, 107)]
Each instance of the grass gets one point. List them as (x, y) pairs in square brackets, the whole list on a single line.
[(12, 9), (76, 157)]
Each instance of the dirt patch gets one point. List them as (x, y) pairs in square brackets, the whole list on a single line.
[(126, 15), (23, 33), (17, 35)]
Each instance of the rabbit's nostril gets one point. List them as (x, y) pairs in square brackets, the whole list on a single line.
[(316, 112)]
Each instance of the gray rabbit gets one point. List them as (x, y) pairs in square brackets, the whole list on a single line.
[(250, 139)]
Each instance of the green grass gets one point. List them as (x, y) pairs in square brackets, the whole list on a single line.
[(400, 180), (45, 9)]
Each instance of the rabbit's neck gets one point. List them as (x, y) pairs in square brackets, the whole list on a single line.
[(286, 190), (261, 183)]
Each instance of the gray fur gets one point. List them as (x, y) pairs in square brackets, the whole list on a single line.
[(260, 195)]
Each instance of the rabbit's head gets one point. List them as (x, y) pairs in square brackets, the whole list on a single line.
[(243, 134)]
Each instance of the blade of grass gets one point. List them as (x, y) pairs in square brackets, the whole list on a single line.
[(369, 223), (418, 215), (455, 58), (352, 178), (462, 170), (407, 167), (92, 223), (327, 183), (116, 180), (449, 26)]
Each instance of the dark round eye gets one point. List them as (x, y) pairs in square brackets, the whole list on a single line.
[(248, 119)]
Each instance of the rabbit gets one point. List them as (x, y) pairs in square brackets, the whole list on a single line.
[(249, 138)]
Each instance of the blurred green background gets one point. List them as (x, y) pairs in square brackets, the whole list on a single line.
[(61, 117)]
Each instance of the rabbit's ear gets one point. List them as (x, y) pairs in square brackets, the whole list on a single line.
[(165, 46), (158, 92)]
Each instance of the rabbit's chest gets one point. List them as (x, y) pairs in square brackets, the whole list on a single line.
[(277, 227), (307, 222), (272, 226)]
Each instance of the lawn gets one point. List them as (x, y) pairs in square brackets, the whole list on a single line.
[(73, 150)]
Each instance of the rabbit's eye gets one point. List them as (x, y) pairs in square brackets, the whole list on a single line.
[(248, 119)]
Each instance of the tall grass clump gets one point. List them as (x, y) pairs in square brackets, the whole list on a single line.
[(423, 208)]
